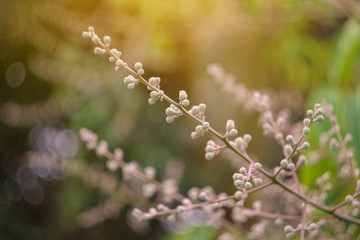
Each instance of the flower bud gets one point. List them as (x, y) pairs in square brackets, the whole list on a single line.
[(195, 135), (209, 155), (131, 86), (242, 170), (306, 122), (248, 186), (185, 103), (290, 139), (206, 125), (257, 166), (305, 146), (182, 95), (120, 63), (233, 132), (310, 113), (138, 66), (230, 124), (99, 51), (288, 229), (317, 106), (284, 163), (238, 195), (170, 119), (306, 130), (288, 149), (107, 40), (202, 107), (86, 34), (258, 181), (291, 166), (319, 118), (247, 138)]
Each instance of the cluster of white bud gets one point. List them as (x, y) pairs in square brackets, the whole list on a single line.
[(211, 150), (91, 34), (318, 113), (148, 190), (200, 130), (349, 199), (154, 81), (129, 170), (242, 178), (230, 128), (172, 113), (119, 65), (155, 96), (285, 164), (114, 164), (89, 137), (170, 188), (139, 68), (198, 111), (183, 98), (130, 81), (241, 143)]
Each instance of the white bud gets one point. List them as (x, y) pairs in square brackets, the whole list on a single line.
[(288, 149), (305, 146), (206, 125), (242, 170), (170, 119), (290, 139), (209, 155), (310, 113), (284, 163), (182, 95), (99, 51), (185, 103), (238, 195), (248, 186), (107, 40), (202, 107), (138, 66), (131, 86), (306, 122), (319, 118), (247, 138), (195, 135), (233, 132), (258, 181), (152, 101), (291, 166), (86, 34), (306, 130), (257, 166), (230, 124)]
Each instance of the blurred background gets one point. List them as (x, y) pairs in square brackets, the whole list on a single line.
[(298, 52)]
